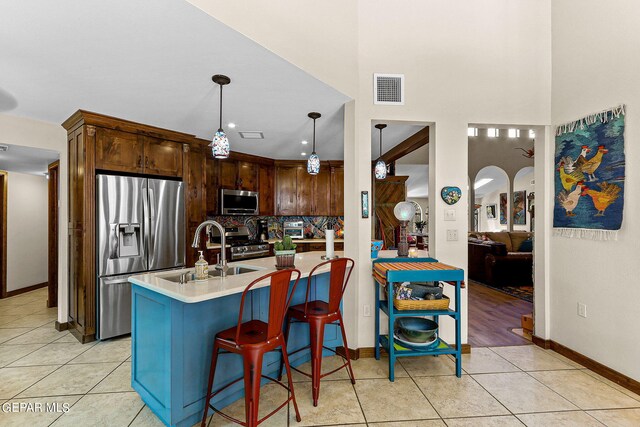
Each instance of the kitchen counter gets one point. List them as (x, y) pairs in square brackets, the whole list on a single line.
[(217, 287), (173, 327), (272, 241)]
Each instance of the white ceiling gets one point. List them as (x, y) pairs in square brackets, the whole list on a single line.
[(29, 160), (392, 135), (418, 182), (151, 61)]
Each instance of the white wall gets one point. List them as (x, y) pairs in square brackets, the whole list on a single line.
[(34, 133), (464, 62), (522, 182), (486, 224), (27, 238), (595, 66)]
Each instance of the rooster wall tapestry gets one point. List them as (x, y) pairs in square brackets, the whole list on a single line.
[(589, 177)]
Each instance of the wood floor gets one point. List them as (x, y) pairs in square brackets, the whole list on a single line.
[(492, 315)]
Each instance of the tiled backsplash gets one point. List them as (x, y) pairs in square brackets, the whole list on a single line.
[(314, 225)]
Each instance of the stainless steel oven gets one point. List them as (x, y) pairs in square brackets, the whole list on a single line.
[(294, 229), (238, 202)]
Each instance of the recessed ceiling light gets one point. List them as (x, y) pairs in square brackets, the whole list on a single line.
[(305, 142), (231, 125), (303, 154)]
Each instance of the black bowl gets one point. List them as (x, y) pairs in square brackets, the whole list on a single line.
[(417, 329)]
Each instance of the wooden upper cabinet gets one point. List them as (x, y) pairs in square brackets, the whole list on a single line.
[(322, 192), (337, 191), (304, 191), (266, 188), (162, 157), (228, 174), (195, 191), (286, 190), (247, 176), (119, 151)]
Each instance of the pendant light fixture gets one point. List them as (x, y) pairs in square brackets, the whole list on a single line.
[(313, 164), (380, 169), (220, 144)]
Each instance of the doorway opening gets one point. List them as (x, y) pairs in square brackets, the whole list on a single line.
[(29, 210), (500, 242)]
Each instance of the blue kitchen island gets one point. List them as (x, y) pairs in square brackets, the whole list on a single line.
[(173, 327)]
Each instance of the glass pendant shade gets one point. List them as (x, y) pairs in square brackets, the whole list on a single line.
[(313, 164), (220, 145), (404, 211), (380, 169)]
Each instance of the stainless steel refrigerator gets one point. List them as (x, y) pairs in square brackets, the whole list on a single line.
[(140, 227)]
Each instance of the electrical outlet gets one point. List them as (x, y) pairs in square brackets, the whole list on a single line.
[(366, 309), (450, 215), (452, 235), (582, 310)]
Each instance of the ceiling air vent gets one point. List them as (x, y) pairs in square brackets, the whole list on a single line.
[(388, 89), (251, 135)]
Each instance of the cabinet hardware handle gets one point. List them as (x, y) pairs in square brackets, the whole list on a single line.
[(146, 161), (140, 161)]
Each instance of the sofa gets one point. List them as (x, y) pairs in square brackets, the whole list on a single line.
[(501, 259)]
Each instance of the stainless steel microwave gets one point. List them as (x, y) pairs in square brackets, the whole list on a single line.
[(294, 229), (238, 202)]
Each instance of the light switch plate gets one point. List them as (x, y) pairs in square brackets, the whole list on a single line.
[(449, 214), (452, 235), (582, 310)]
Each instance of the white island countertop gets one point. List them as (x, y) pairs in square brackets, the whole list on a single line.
[(217, 287)]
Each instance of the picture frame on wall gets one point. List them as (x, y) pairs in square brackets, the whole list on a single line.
[(364, 203), (519, 208), (491, 211)]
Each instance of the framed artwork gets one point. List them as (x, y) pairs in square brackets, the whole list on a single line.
[(364, 203), (503, 209), (519, 207), (491, 211)]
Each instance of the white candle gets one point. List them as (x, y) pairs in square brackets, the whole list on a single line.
[(328, 235)]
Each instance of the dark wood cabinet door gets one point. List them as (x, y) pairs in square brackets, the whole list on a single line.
[(196, 198), (337, 191), (322, 192), (266, 188), (212, 185), (304, 192), (247, 176), (118, 151), (227, 174), (162, 157), (286, 190)]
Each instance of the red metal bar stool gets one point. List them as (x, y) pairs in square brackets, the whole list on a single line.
[(318, 314), (252, 340)]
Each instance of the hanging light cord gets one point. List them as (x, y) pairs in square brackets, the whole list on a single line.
[(314, 135), (380, 143), (220, 129)]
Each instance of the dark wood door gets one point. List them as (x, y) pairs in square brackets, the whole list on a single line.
[(286, 190), (266, 189), (227, 174), (118, 151), (322, 192), (196, 200), (247, 176), (304, 191), (162, 157), (337, 191), (52, 219)]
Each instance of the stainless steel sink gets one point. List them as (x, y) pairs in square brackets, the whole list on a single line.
[(231, 271)]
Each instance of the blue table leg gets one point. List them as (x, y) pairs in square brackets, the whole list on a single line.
[(458, 333), (392, 349), (377, 317)]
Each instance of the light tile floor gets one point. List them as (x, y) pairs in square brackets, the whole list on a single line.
[(502, 386)]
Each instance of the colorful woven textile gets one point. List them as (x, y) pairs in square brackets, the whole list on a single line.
[(590, 176)]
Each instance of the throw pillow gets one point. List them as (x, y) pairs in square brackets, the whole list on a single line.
[(517, 237), (526, 246), (501, 237)]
